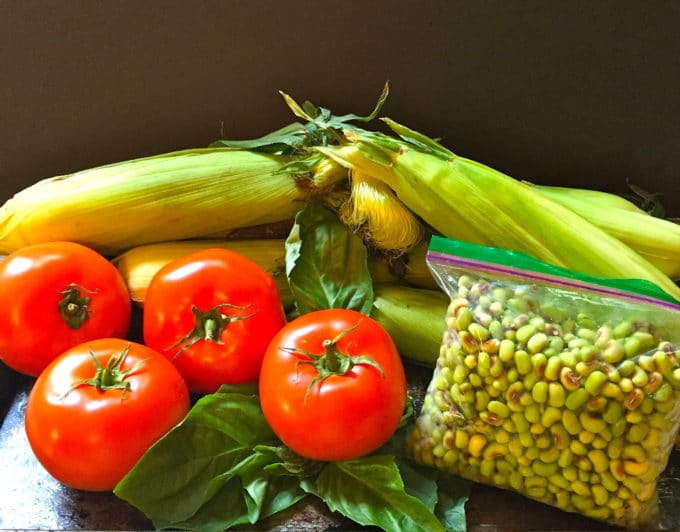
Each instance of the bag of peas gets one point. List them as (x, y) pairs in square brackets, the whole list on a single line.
[(557, 385)]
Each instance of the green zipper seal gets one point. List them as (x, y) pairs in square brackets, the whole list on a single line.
[(517, 264)]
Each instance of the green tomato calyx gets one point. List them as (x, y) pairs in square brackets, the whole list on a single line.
[(333, 361), (74, 306), (208, 326), (111, 376)]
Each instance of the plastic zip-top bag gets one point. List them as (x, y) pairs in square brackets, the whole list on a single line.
[(560, 386)]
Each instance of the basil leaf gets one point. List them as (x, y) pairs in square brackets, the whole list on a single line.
[(370, 491), (326, 263), (454, 492), (195, 461), (241, 501)]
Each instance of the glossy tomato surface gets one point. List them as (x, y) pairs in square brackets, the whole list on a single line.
[(89, 438), (342, 416), (213, 313), (54, 296)]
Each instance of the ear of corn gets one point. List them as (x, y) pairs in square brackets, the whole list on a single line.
[(138, 265), (185, 194), (595, 198), (656, 239), (467, 200), (414, 318)]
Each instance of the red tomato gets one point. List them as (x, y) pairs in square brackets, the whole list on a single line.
[(89, 437), (212, 312), (54, 296), (332, 385)]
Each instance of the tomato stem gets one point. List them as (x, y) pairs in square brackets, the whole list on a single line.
[(74, 306), (111, 376), (333, 361), (208, 326)]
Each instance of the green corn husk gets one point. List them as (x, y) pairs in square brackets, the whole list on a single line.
[(178, 195), (469, 201), (414, 318), (656, 239)]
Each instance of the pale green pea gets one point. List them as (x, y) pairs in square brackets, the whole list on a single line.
[(615, 448), (646, 362), (599, 443), (601, 513), (571, 422), (475, 380), (537, 343), (634, 452), (568, 358), (532, 453), (515, 447), (586, 437), (609, 482), (578, 448), (627, 368), (566, 458), (599, 459), (521, 423), (543, 440), (451, 457), (550, 416), (563, 500), (481, 400), (460, 374), (516, 480), (664, 393), (632, 346), (525, 332), (592, 423), (526, 438), (532, 481), (556, 344), (613, 352), (580, 488), (539, 392), (479, 332), (613, 412), (539, 362), (487, 468), (619, 427), (637, 433), (570, 473), (522, 362), (623, 329), (556, 394), (552, 368), (463, 318), (544, 469), (585, 321), (559, 481), (499, 408), (533, 413), (550, 456), (595, 381), (640, 377), (529, 381), (576, 399)]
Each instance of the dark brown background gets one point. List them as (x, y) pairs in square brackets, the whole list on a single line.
[(565, 92)]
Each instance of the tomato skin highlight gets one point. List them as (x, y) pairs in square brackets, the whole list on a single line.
[(342, 416), (89, 439), (32, 284), (203, 280)]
